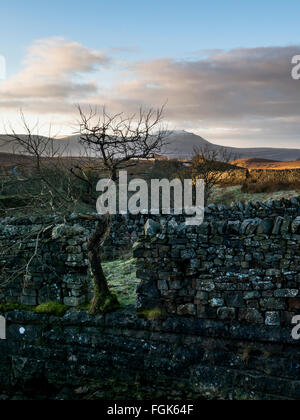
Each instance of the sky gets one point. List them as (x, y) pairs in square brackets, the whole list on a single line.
[(222, 67)]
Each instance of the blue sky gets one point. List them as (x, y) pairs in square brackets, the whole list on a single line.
[(173, 28), (143, 43)]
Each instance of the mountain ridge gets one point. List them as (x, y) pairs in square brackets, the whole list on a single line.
[(180, 145)]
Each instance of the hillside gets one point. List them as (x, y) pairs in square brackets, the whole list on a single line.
[(10, 159), (255, 163), (180, 145)]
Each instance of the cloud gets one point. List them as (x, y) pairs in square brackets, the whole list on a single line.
[(249, 92), (52, 70), (235, 84), (239, 95)]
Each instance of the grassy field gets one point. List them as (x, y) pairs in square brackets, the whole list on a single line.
[(234, 194), (256, 163), (22, 194), (121, 276)]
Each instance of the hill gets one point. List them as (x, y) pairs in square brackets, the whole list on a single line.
[(180, 145), (256, 163), (10, 159)]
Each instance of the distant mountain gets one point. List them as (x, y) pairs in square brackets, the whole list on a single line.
[(181, 144)]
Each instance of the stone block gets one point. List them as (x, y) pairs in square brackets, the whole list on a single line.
[(188, 309), (272, 319), (75, 301), (252, 316), (226, 314)]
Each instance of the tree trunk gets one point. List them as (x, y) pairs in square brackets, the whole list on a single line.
[(103, 300)]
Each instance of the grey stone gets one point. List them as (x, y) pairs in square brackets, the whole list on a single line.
[(188, 309), (251, 316), (205, 286), (216, 302), (226, 314), (152, 228), (286, 293), (235, 300), (272, 319)]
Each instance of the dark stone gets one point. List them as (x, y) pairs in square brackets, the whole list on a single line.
[(235, 300)]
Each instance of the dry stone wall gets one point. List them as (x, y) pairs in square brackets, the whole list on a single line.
[(45, 259), (42, 261), (244, 257), (245, 269), (226, 293), (120, 356)]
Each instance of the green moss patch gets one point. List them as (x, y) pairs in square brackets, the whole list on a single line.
[(85, 307), (51, 308), (110, 304), (153, 314), (8, 307)]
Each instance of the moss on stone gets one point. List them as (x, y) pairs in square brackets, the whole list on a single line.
[(84, 307), (51, 308), (8, 307), (110, 304), (153, 314)]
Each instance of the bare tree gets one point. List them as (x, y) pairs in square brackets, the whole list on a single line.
[(38, 170), (118, 142), (31, 143), (213, 166)]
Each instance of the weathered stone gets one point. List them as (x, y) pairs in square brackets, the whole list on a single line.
[(233, 227), (277, 225), (74, 301), (272, 303), (205, 286), (226, 314), (152, 228), (188, 309), (285, 227), (163, 285), (272, 319), (252, 295), (216, 302), (272, 272), (29, 300), (265, 226), (66, 231), (251, 316), (296, 225), (286, 293), (235, 300)]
